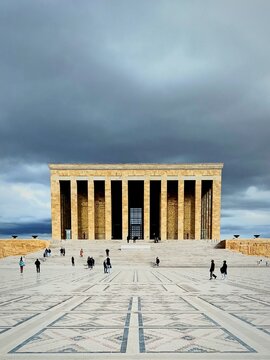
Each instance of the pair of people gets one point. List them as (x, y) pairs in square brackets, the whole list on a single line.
[(223, 270), (22, 265), (90, 262), (47, 253)]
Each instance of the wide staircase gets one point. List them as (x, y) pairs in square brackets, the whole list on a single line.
[(172, 253)]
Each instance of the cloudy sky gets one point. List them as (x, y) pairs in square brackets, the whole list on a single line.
[(134, 81)]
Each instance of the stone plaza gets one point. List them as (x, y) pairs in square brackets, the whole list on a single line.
[(139, 310)]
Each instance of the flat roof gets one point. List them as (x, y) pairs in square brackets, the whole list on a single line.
[(133, 166)]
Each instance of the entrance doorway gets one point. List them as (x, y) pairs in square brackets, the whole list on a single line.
[(135, 214), (136, 224)]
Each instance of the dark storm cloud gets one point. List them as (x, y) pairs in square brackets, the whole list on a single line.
[(33, 228), (125, 81)]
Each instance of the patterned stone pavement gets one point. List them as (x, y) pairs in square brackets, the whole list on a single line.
[(137, 311)]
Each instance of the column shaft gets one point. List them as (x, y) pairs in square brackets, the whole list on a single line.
[(216, 205), (198, 209), (91, 210), (163, 208), (124, 209), (146, 209), (108, 209), (180, 209), (74, 209), (55, 209)]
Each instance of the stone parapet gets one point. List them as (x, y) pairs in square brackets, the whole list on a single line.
[(248, 246), (21, 247)]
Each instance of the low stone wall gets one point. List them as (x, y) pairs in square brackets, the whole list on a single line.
[(248, 246), (21, 247)]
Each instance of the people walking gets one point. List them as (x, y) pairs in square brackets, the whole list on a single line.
[(157, 261), (72, 261), (37, 263), (21, 264), (223, 270), (212, 269), (81, 253), (107, 252)]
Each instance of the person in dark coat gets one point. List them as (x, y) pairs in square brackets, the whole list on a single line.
[(37, 263), (223, 270), (109, 265), (72, 261), (212, 269), (105, 266), (157, 261), (107, 252)]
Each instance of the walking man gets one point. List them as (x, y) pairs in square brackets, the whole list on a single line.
[(72, 261), (212, 269), (157, 261), (109, 265), (223, 270), (37, 263)]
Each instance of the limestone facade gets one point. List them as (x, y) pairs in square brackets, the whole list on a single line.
[(116, 201)]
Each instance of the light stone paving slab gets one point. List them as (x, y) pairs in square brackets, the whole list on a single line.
[(138, 311)]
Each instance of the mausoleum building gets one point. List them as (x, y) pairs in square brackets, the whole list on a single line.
[(116, 201)]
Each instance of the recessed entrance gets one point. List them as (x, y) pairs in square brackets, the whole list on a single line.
[(65, 204), (135, 204), (189, 209), (206, 214), (155, 189), (116, 187)]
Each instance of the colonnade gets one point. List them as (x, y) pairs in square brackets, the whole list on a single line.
[(57, 217)]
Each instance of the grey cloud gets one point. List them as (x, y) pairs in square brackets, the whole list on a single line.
[(33, 228), (140, 81)]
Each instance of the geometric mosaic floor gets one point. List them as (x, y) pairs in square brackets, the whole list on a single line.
[(136, 311)]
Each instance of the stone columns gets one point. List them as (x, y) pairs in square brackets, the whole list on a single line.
[(163, 208), (180, 209), (74, 209), (124, 208), (108, 209), (146, 209), (55, 209), (198, 209), (216, 204), (91, 210)]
